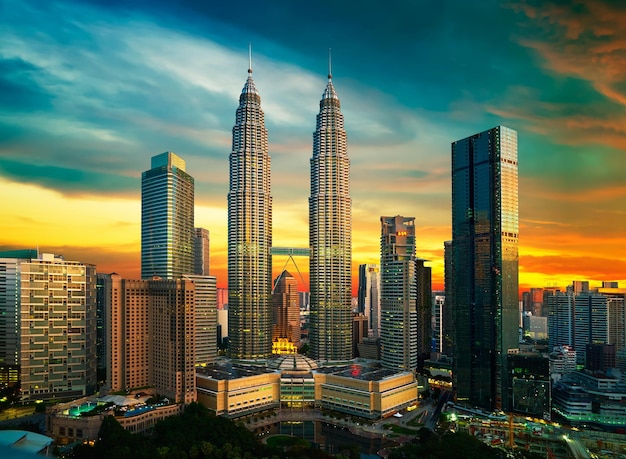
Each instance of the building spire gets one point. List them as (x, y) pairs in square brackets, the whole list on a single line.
[(250, 57), (330, 65)]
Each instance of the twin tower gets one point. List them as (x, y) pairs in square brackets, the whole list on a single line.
[(250, 233)]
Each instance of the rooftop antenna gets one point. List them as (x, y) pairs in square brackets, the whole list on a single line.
[(250, 57), (330, 64)]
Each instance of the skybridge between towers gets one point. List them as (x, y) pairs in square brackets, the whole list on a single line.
[(290, 253)]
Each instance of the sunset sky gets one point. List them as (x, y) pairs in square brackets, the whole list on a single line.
[(91, 90)]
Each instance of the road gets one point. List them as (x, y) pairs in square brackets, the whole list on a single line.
[(431, 423)]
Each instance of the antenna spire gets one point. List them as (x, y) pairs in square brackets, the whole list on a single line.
[(250, 57), (330, 64)]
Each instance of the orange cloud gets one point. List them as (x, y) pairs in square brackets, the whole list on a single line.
[(584, 39)]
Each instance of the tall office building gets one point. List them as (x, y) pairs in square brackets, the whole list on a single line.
[(424, 307), (206, 318), (152, 333), (167, 211), (286, 312), (485, 245), (48, 327), (369, 296), (249, 232), (448, 311), (201, 252), (330, 235), (439, 300), (398, 329)]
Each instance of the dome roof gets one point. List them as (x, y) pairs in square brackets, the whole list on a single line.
[(292, 362)]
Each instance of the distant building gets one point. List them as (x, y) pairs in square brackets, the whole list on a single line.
[(201, 252), (424, 306), (599, 357), (560, 319), (286, 313), (359, 332), (369, 296), (167, 218), (591, 316), (439, 300), (562, 361), (48, 328), (398, 299)]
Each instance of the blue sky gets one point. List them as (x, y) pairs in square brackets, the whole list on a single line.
[(89, 91)]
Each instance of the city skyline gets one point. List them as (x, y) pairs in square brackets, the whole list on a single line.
[(90, 93)]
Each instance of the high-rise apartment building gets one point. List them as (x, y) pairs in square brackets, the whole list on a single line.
[(201, 252), (591, 322), (330, 235), (369, 296), (48, 326), (560, 306), (398, 285), (152, 332), (167, 213), (286, 312), (485, 245), (249, 232)]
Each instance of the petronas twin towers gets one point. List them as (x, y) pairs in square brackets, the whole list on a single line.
[(250, 233)]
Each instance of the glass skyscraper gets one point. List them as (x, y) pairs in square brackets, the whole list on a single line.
[(330, 235), (398, 299), (485, 257), (167, 219), (249, 232)]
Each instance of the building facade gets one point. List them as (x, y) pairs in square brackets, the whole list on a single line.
[(206, 318), (485, 245), (201, 252), (167, 217), (49, 307), (330, 235), (424, 307), (152, 336), (286, 312), (249, 231), (398, 282), (369, 296)]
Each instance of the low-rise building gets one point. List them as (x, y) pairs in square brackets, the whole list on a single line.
[(80, 420), (591, 398), (293, 381)]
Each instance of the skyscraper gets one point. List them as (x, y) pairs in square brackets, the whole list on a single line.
[(369, 296), (398, 325), (249, 232), (330, 235), (167, 212), (286, 311), (201, 252), (485, 246), (424, 307)]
